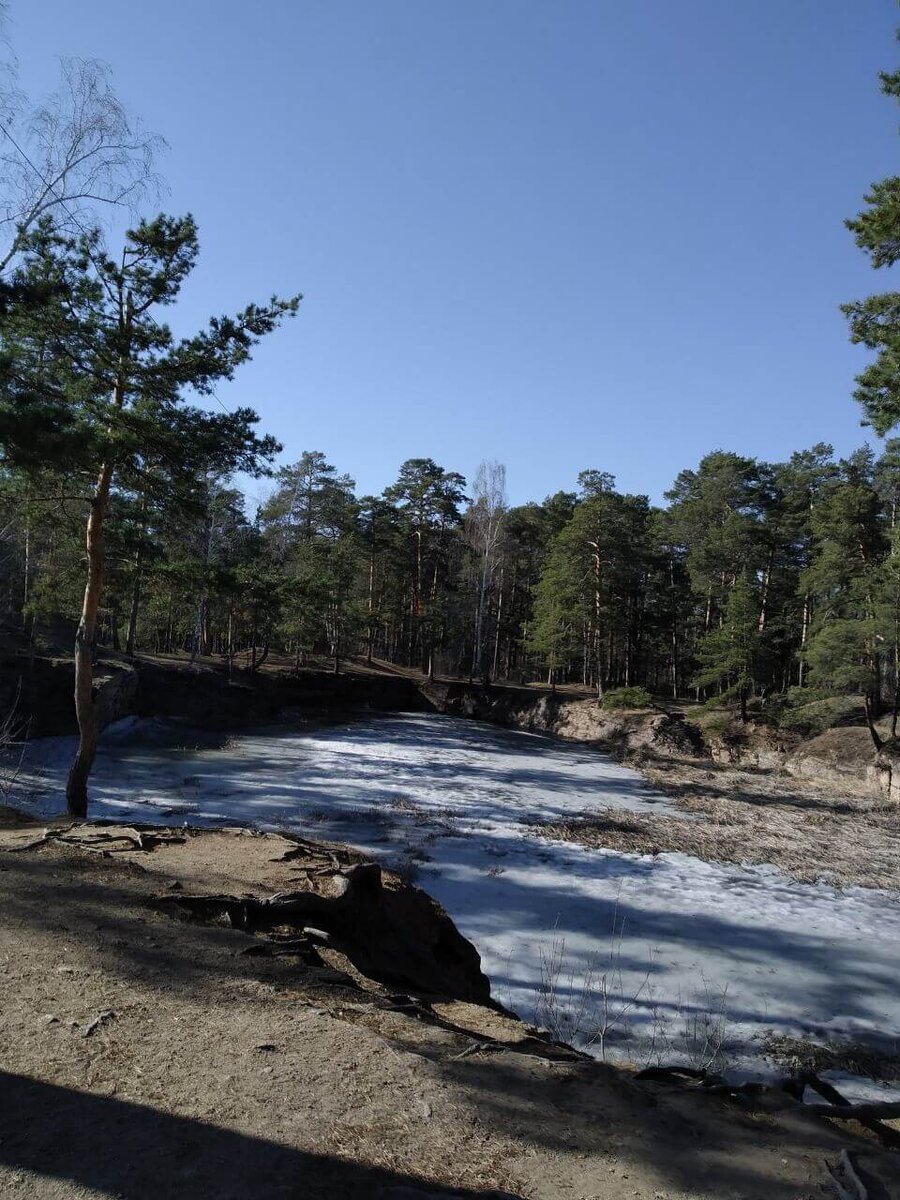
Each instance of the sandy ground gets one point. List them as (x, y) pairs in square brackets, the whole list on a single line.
[(143, 1056), (812, 830)]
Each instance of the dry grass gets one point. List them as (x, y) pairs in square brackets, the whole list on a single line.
[(807, 829), (797, 1054)]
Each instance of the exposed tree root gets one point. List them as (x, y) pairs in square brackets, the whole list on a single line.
[(394, 934), (96, 840), (839, 1107), (259, 913), (845, 1179)]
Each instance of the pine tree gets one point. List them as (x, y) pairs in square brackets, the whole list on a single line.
[(715, 515), (730, 653), (310, 500), (558, 611), (846, 575), (875, 321), (428, 500), (95, 385)]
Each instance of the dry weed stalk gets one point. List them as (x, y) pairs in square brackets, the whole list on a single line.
[(587, 1006), (592, 1006), (12, 748)]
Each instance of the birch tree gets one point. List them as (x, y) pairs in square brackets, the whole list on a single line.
[(72, 156), (483, 524)]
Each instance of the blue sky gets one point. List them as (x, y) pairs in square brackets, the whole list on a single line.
[(567, 234)]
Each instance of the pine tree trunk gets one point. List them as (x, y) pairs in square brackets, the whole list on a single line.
[(674, 631), (764, 604), (370, 632), (85, 637), (230, 648), (133, 611), (27, 572), (131, 636), (85, 712), (597, 564), (170, 623), (870, 721), (262, 658)]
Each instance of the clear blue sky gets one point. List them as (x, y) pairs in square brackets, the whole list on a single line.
[(564, 234)]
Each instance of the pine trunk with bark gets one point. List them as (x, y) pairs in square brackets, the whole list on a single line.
[(85, 639), (86, 635)]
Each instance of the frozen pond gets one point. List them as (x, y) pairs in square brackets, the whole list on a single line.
[(678, 954)]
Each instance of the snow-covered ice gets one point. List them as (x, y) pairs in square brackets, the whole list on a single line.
[(456, 801)]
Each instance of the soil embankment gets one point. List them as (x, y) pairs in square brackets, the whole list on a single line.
[(576, 719), (153, 1049), (41, 690), (823, 808), (841, 758)]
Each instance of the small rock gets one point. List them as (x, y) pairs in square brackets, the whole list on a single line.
[(265, 1046), (100, 1019)]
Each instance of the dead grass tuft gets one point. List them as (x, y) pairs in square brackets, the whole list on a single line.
[(798, 1054), (753, 817)]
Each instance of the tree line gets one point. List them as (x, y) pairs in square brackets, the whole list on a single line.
[(756, 580), (766, 585)]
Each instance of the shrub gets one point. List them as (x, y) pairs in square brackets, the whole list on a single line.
[(711, 724), (819, 715), (627, 697), (721, 726), (796, 697), (768, 710)]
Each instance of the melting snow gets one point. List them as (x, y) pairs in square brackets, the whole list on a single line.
[(687, 949)]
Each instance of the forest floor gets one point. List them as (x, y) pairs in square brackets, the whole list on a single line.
[(144, 1056), (812, 830)]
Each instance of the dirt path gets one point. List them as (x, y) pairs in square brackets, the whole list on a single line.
[(144, 1056)]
